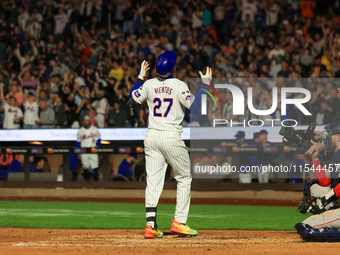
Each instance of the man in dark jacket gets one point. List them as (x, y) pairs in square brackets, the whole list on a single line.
[(116, 117)]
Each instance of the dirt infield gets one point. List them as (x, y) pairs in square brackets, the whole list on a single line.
[(44, 241)]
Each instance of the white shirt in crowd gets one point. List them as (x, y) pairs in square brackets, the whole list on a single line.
[(319, 118), (31, 114), (276, 53), (248, 8), (101, 106), (60, 23), (88, 137), (85, 8), (37, 17), (23, 19), (272, 16), (11, 112)]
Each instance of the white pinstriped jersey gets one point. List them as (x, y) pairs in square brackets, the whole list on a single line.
[(88, 136), (167, 100), (102, 107)]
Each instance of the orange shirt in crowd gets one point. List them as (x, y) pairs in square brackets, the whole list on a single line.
[(213, 33), (307, 8)]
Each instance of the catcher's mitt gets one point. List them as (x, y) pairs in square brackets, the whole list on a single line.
[(311, 204)]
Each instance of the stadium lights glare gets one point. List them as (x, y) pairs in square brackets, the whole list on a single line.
[(35, 143)]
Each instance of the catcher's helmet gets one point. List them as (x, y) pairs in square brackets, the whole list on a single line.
[(165, 64), (333, 128)]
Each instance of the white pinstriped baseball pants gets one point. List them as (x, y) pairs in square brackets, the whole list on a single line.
[(163, 148)]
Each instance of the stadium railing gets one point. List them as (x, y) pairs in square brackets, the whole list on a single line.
[(32, 180)]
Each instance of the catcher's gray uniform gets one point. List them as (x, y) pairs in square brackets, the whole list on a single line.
[(167, 100), (328, 219)]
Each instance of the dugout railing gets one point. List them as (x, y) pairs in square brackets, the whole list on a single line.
[(280, 152)]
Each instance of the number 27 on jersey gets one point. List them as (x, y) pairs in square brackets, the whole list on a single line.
[(158, 104)]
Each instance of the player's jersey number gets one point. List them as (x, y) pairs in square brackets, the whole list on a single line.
[(158, 103)]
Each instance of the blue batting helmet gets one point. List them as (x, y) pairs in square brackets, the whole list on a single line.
[(165, 64)]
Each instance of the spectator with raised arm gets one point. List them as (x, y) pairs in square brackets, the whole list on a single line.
[(27, 56), (92, 42), (13, 114), (31, 114)]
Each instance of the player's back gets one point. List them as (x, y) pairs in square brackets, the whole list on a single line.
[(167, 100)]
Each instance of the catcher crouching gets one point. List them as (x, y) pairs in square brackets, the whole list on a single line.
[(322, 199)]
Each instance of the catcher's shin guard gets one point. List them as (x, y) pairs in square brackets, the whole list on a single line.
[(304, 231), (310, 234)]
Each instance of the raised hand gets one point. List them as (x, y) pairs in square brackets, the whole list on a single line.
[(206, 78), (144, 67)]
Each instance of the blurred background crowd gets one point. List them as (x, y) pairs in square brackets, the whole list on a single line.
[(61, 60)]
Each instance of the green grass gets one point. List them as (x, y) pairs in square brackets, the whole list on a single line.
[(82, 215)]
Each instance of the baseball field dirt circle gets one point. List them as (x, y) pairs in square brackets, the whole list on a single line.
[(44, 241)]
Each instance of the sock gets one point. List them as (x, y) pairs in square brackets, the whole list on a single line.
[(95, 174), (151, 213), (74, 176), (87, 174)]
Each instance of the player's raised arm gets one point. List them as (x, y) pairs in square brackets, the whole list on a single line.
[(140, 81), (139, 95), (206, 78), (193, 102)]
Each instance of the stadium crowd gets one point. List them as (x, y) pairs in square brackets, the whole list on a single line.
[(62, 60)]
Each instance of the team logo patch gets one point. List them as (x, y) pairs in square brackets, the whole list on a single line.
[(137, 94)]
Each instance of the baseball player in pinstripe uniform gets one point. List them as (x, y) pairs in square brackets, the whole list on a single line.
[(167, 97), (88, 137)]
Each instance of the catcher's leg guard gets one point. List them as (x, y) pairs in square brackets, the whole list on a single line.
[(332, 235), (310, 234), (303, 230)]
